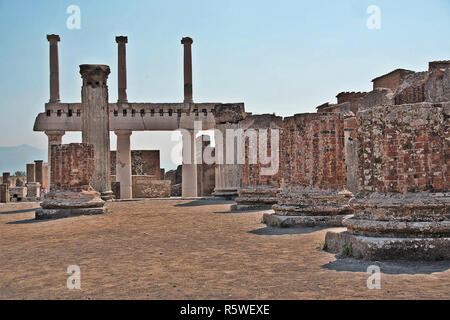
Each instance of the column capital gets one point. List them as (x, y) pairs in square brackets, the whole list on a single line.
[(187, 41), (123, 132), (53, 38), (94, 75), (55, 133), (122, 39)]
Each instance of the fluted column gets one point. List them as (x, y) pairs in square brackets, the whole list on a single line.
[(95, 123)]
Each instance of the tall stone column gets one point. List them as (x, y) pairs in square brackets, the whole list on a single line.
[(228, 173), (123, 163), (53, 39), (189, 169), (187, 43), (54, 139), (95, 123), (122, 68)]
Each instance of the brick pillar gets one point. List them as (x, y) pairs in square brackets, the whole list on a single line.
[(6, 176), (122, 68), (31, 174), (4, 193), (123, 163), (54, 139), (402, 208), (313, 159), (39, 171), (261, 171), (53, 40), (95, 123), (187, 43)]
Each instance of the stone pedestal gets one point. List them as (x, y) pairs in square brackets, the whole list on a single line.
[(71, 194), (313, 164), (255, 198), (95, 123), (402, 209)]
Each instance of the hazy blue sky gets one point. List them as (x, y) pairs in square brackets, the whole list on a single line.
[(276, 56)]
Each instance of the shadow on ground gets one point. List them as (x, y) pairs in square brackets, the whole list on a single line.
[(19, 211), (197, 203), (388, 267), (274, 231)]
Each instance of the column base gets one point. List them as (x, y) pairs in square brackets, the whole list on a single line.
[(256, 198), (107, 196), (63, 204), (311, 208), (377, 249), (275, 220), (42, 214), (226, 193)]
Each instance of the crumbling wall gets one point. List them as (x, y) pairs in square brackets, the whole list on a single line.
[(72, 166)]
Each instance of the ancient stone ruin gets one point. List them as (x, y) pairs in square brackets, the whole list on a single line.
[(402, 208), (71, 193), (260, 179), (313, 165)]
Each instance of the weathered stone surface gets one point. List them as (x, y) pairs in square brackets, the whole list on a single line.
[(377, 97), (143, 163), (437, 88), (402, 209), (275, 220), (383, 248), (71, 194), (233, 113), (148, 187), (70, 199)]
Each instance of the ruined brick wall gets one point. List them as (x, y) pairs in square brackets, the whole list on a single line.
[(352, 98), (4, 193), (411, 88), (404, 148), (143, 163), (391, 80), (251, 173), (313, 151), (72, 166)]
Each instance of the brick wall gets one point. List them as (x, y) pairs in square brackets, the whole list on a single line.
[(72, 166), (404, 148), (148, 187), (313, 151)]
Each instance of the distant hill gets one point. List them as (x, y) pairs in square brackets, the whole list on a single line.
[(14, 159)]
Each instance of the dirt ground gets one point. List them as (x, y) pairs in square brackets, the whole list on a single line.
[(189, 249)]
